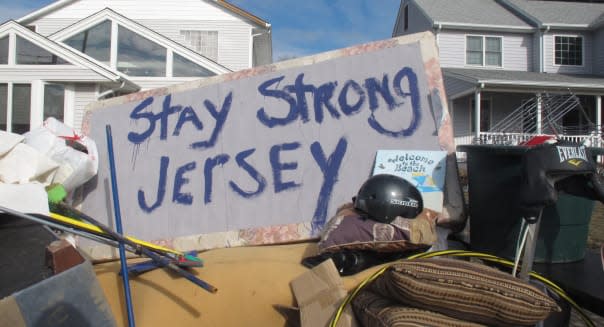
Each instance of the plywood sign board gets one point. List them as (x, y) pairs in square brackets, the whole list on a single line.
[(265, 155)]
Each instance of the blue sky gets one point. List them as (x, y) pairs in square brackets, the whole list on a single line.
[(299, 27)]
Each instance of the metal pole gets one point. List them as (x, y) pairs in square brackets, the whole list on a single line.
[(530, 248), (118, 227), (477, 114)]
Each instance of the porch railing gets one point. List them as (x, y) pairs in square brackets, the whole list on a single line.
[(592, 140), (517, 138)]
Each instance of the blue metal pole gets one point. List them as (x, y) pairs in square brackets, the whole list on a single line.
[(118, 227)]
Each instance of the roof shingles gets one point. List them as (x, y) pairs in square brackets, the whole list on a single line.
[(561, 13), (480, 12)]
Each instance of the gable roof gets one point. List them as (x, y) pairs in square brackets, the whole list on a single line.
[(487, 14), (64, 52), (222, 3), (560, 14), (142, 30)]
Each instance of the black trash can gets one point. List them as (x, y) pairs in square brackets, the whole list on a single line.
[(494, 181)]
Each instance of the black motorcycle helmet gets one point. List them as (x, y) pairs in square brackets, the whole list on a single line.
[(383, 197)]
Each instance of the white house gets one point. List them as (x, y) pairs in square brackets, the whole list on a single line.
[(58, 59), (503, 61)]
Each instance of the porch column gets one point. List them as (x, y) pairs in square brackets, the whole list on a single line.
[(477, 114), (599, 118), (539, 114)]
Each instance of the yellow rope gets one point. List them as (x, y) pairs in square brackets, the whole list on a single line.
[(460, 253), (93, 228)]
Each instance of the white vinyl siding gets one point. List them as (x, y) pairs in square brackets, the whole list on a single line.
[(147, 9), (84, 95), (24, 74), (517, 50), (461, 116), (548, 53), (233, 38), (46, 26), (598, 52), (451, 47)]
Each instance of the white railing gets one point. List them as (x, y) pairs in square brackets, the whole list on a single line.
[(517, 138)]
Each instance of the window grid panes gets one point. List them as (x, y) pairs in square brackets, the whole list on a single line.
[(182, 67), (21, 108), (203, 42), (138, 56), (3, 104), (493, 51), (4, 50), (568, 50), (31, 54), (95, 41), (484, 51), (54, 101), (474, 50)]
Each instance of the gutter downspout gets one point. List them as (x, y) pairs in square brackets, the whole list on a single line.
[(111, 91), (437, 28), (542, 32)]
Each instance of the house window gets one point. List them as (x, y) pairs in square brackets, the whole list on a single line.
[(4, 50), (485, 114), (20, 97), (21, 108), (484, 51), (54, 101), (31, 54), (3, 104), (204, 42), (406, 18), (568, 50), (138, 56), (183, 67), (95, 41)]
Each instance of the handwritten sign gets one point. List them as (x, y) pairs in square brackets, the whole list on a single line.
[(424, 169), (265, 155)]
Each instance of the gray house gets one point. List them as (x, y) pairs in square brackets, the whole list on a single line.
[(516, 68)]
